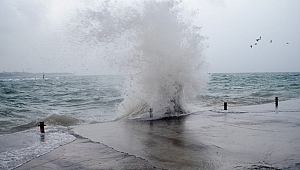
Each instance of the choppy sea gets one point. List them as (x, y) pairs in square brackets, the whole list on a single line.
[(62, 102)]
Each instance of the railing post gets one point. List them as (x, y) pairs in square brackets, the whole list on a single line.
[(276, 102), (42, 125), (225, 105), (150, 111)]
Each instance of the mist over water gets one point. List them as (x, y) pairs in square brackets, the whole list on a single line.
[(159, 49)]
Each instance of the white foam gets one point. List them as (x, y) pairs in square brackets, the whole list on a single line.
[(21, 147)]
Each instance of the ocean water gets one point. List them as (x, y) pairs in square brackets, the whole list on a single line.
[(241, 89), (62, 101), (69, 101), (72, 100)]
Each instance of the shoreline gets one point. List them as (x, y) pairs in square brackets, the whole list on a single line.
[(246, 137)]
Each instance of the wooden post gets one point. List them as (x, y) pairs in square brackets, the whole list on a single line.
[(225, 105), (150, 111), (42, 125), (276, 102)]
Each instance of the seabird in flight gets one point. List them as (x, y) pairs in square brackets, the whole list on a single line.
[(258, 38)]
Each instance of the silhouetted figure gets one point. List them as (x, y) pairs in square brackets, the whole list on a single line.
[(287, 43), (251, 46), (255, 44), (271, 41), (257, 39), (43, 76)]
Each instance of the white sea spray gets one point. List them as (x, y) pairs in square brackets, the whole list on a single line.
[(159, 49)]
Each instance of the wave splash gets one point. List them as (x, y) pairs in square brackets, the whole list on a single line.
[(158, 46)]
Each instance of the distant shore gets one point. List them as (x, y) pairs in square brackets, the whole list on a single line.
[(34, 75)]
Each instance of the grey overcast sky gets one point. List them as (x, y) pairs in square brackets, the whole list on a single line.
[(33, 36)]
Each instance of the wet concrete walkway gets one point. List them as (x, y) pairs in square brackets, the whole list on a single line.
[(86, 154), (253, 137), (239, 138)]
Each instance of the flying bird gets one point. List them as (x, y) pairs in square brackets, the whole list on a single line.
[(287, 43), (251, 46), (271, 41), (255, 44), (258, 38)]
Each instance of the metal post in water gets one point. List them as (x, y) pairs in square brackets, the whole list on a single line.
[(150, 111), (276, 102), (42, 125), (225, 105)]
